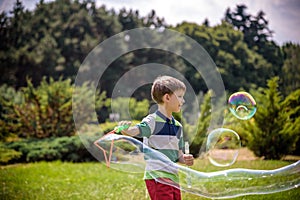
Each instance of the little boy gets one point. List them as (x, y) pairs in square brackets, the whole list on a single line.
[(164, 134)]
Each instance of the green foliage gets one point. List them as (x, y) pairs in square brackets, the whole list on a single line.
[(8, 155), (71, 149), (138, 109), (239, 65), (9, 97), (291, 105), (44, 111), (203, 124), (129, 108), (54, 38), (291, 68), (274, 130), (257, 35), (49, 149)]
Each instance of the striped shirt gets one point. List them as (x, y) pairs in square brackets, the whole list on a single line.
[(166, 136)]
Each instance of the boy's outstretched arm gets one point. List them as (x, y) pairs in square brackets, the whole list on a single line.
[(131, 131)]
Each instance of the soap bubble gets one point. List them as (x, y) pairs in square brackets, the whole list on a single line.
[(242, 105), (130, 155), (223, 147)]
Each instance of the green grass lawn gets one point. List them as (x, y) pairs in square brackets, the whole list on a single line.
[(57, 180)]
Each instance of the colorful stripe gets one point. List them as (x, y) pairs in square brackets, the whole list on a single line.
[(165, 136)]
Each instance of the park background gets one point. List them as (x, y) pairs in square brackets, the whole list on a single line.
[(41, 51)]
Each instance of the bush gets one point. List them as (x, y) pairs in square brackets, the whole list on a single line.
[(9, 97), (44, 111), (49, 149), (8, 155)]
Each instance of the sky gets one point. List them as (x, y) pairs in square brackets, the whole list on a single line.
[(283, 15)]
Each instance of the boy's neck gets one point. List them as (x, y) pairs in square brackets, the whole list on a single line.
[(164, 111)]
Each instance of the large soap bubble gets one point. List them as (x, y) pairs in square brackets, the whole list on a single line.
[(242, 105), (223, 147), (130, 155)]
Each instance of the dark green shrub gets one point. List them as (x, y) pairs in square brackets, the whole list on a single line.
[(69, 149)]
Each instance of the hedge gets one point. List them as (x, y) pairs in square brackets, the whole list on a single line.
[(70, 149)]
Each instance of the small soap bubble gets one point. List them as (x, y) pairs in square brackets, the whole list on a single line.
[(223, 147), (242, 105)]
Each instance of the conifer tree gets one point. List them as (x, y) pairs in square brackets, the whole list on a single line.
[(271, 133)]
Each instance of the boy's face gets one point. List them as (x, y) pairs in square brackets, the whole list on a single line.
[(176, 100)]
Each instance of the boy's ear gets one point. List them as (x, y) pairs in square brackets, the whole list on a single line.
[(166, 98)]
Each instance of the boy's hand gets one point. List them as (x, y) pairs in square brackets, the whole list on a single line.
[(188, 159), (125, 125), (127, 129)]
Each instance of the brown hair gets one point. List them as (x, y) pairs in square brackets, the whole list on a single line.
[(165, 85)]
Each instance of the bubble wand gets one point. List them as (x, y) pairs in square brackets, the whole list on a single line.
[(116, 130)]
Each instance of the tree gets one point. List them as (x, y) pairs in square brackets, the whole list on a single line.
[(291, 105), (52, 40), (273, 131), (202, 125), (257, 35), (255, 28), (239, 65), (12, 38), (291, 68), (152, 20)]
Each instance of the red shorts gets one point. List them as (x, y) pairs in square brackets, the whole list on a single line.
[(159, 191)]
